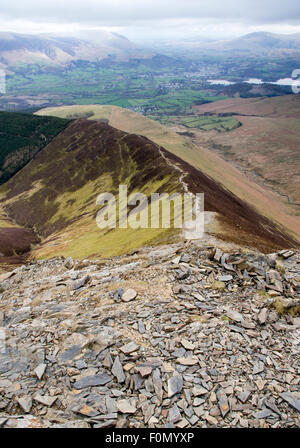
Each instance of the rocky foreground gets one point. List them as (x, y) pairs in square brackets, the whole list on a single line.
[(179, 336)]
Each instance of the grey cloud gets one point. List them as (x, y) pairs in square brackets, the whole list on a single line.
[(137, 12)]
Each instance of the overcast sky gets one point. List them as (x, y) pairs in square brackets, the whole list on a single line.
[(152, 18)]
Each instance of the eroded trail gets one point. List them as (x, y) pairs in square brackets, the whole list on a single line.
[(192, 229)]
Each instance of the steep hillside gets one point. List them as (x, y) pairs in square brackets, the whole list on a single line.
[(195, 149), (267, 144), (22, 136), (55, 194)]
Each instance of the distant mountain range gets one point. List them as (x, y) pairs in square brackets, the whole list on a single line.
[(90, 45), (51, 49), (261, 43)]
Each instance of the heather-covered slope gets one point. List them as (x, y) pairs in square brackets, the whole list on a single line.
[(15, 244)]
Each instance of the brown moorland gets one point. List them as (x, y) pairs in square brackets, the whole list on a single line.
[(15, 244)]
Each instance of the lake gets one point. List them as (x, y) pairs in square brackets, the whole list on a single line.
[(280, 82)]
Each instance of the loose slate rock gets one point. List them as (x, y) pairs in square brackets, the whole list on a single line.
[(187, 344), (293, 399), (80, 283), (243, 396), (198, 391), (129, 348), (234, 315), (40, 370), (26, 403), (70, 353), (46, 400), (157, 383), (245, 364), (262, 317), (175, 384), (174, 415), (125, 407), (223, 402), (188, 361), (225, 278), (92, 380), (117, 370), (128, 295), (144, 371)]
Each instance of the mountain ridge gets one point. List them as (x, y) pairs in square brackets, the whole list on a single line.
[(55, 194), (195, 153), (58, 49), (260, 43)]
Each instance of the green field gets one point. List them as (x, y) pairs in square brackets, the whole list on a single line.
[(209, 123), (159, 91)]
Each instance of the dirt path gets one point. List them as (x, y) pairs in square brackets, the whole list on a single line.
[(195, 229)]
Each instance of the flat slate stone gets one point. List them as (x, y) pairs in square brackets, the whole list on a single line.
[(46, 400), (40, 370), (174, 415), (234, 315), (25, 402), (70, 353), (128, 295), (125, 407), (265, 413), (191, 361), (117, 370), (243, 396), (93, 380), (175, 384), (225, 278), (293, 399), (129, 348)]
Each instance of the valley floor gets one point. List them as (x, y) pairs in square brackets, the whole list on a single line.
[(176, 336)]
